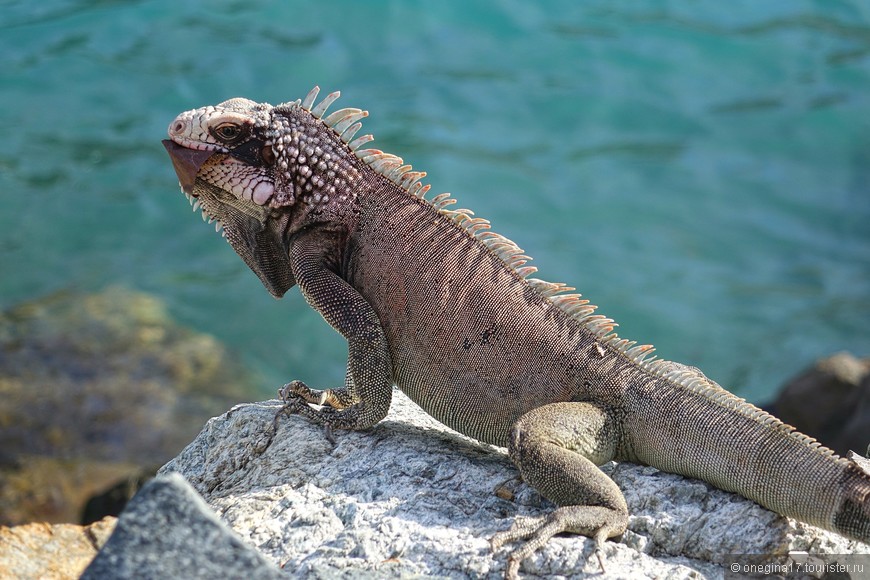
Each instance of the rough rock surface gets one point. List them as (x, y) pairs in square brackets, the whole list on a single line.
[(831, 402), (46, 551), (410, 497), (167, 531)]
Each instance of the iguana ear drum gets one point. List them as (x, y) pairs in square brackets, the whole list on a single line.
[(267, 155)]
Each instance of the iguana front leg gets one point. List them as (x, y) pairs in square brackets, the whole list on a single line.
[(366, 397), (557, 449)]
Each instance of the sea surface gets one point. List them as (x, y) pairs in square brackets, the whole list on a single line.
[(698, 169)]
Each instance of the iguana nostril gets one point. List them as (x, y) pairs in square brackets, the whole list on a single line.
[(176, 127)]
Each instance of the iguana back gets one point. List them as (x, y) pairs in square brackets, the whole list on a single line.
[(452, 338)]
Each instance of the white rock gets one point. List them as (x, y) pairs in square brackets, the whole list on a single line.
[(410, 497)]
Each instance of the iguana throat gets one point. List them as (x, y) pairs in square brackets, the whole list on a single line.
[(252, 231)]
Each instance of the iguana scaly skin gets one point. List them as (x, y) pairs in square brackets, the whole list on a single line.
[(432, 301)]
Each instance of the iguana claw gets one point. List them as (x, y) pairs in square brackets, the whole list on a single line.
[(295, 389), (536, 531)]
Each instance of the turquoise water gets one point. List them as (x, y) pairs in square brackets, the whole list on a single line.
[(701, 170)]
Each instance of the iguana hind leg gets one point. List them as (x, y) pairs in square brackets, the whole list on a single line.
[(557, 449)]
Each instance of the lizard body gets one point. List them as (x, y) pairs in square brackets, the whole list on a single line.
[(432, 301)]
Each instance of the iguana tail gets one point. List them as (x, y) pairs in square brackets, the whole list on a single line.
[(684, 423)]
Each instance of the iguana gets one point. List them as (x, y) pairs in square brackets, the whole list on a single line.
[(432, 301)]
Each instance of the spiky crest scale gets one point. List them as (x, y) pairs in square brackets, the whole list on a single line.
[(345, 123), (393, 168)]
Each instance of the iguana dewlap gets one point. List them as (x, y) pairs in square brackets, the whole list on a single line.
[(432, 301)]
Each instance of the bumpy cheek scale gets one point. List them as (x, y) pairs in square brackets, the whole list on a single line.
[(263, 191)]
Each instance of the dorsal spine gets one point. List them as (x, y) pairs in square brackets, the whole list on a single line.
[(346, 123)]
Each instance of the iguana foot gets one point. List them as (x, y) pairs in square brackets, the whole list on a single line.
[(296, 397), (336, 408), (597, 522), (335, 398)]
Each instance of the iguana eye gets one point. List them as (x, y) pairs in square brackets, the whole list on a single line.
[(228, 132)]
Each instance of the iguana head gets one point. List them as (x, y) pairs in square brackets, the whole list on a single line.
[(264, 172), (225, 145)]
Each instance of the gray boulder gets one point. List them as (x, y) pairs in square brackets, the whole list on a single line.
[(167, 531), (409, 497)]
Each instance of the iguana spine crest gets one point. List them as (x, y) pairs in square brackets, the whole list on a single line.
[(582, 311), (393, 168)]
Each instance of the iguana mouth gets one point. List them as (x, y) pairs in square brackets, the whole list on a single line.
[(186, 163)]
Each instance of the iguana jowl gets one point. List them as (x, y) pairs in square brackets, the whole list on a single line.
[(432, 301)]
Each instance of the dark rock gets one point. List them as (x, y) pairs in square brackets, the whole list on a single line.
[(111, 501), (167, 531), (831, 402), (50, 489), (106, 380)]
